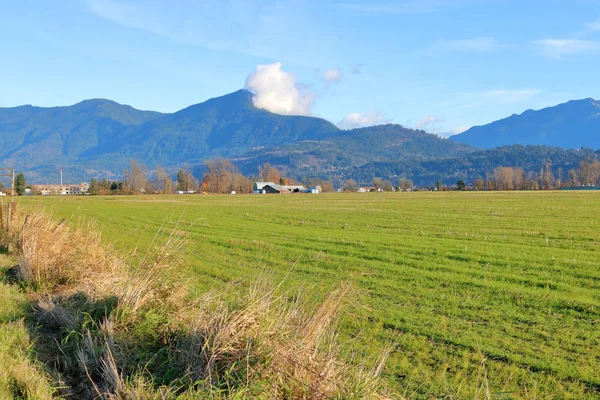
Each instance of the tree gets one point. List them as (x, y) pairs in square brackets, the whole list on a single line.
[(181, 180), (161, 179), (573, 177), (438, 185), (268, 173), (350, 185), (134, 177), (479, 184), (387, 186), (241, 184), (326, 186), (378, 183), (405, 184), (460, 185), (168, 186), (20, 184), (219, 176)]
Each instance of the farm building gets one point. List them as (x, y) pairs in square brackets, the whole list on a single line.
[(49, 190), (273, 188)]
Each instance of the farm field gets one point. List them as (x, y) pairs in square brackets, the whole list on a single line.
[(487, 295)]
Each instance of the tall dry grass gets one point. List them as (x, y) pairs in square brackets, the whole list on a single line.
[(114, 329)]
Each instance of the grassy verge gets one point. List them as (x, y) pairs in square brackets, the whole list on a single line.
[(115, 328), (20, 375)]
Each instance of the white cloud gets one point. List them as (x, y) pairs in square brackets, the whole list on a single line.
[(278, 92), (358, 120), (332, 75), (430, 123), (558, 48)]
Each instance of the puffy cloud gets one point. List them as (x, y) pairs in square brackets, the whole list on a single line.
[(358, 120), (558, 48), (277, 91), (332, 75)]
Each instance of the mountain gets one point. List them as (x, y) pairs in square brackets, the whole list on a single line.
[(334, 156), (97, 138), (226, 126), (570, 125), (477, 164), (34, 137)]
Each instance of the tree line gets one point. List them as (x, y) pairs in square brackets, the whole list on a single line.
[(220, 176), (515, 178)]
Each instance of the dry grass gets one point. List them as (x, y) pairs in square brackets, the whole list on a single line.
[(114, 329), (272, 344), (52, 254)]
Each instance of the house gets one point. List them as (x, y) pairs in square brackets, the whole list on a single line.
[(62, 190), (271, 187)]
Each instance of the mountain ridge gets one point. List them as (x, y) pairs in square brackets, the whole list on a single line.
[(96, 138), (572, 124)]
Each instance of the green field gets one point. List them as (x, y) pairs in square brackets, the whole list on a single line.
[(476, 290)]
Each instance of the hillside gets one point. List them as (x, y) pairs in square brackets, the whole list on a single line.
[(226, 126), (97, 138), (570, 125), (48, 138), (476, 165), (334, 157)]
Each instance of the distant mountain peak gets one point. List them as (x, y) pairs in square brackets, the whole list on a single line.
[(572, 124)]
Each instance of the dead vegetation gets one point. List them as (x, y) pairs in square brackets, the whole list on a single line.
[(114, 329)]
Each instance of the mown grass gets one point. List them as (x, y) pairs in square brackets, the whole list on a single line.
[(488, 295)]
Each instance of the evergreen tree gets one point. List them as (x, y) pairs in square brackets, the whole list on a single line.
[(20, 184)]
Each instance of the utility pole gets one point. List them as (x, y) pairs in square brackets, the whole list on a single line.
[(12, 204)]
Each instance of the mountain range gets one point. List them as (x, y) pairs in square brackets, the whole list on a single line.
[(97, 139), (570, 125)]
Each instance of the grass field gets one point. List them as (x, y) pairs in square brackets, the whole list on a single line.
[(483, 294)]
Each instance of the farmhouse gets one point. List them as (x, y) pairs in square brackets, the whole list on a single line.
[(62, 190)]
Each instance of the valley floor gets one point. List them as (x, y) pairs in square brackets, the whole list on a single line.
[(483, 295)]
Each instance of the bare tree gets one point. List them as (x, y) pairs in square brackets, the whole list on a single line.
[(268, 173), (134, 177), (378, 183), (405, 184), (350, 185), (161, 178), (219, 176)]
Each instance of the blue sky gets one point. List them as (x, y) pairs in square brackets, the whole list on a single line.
[(440, 65)]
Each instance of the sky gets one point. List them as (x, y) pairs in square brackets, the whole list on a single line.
[(437, 65)]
